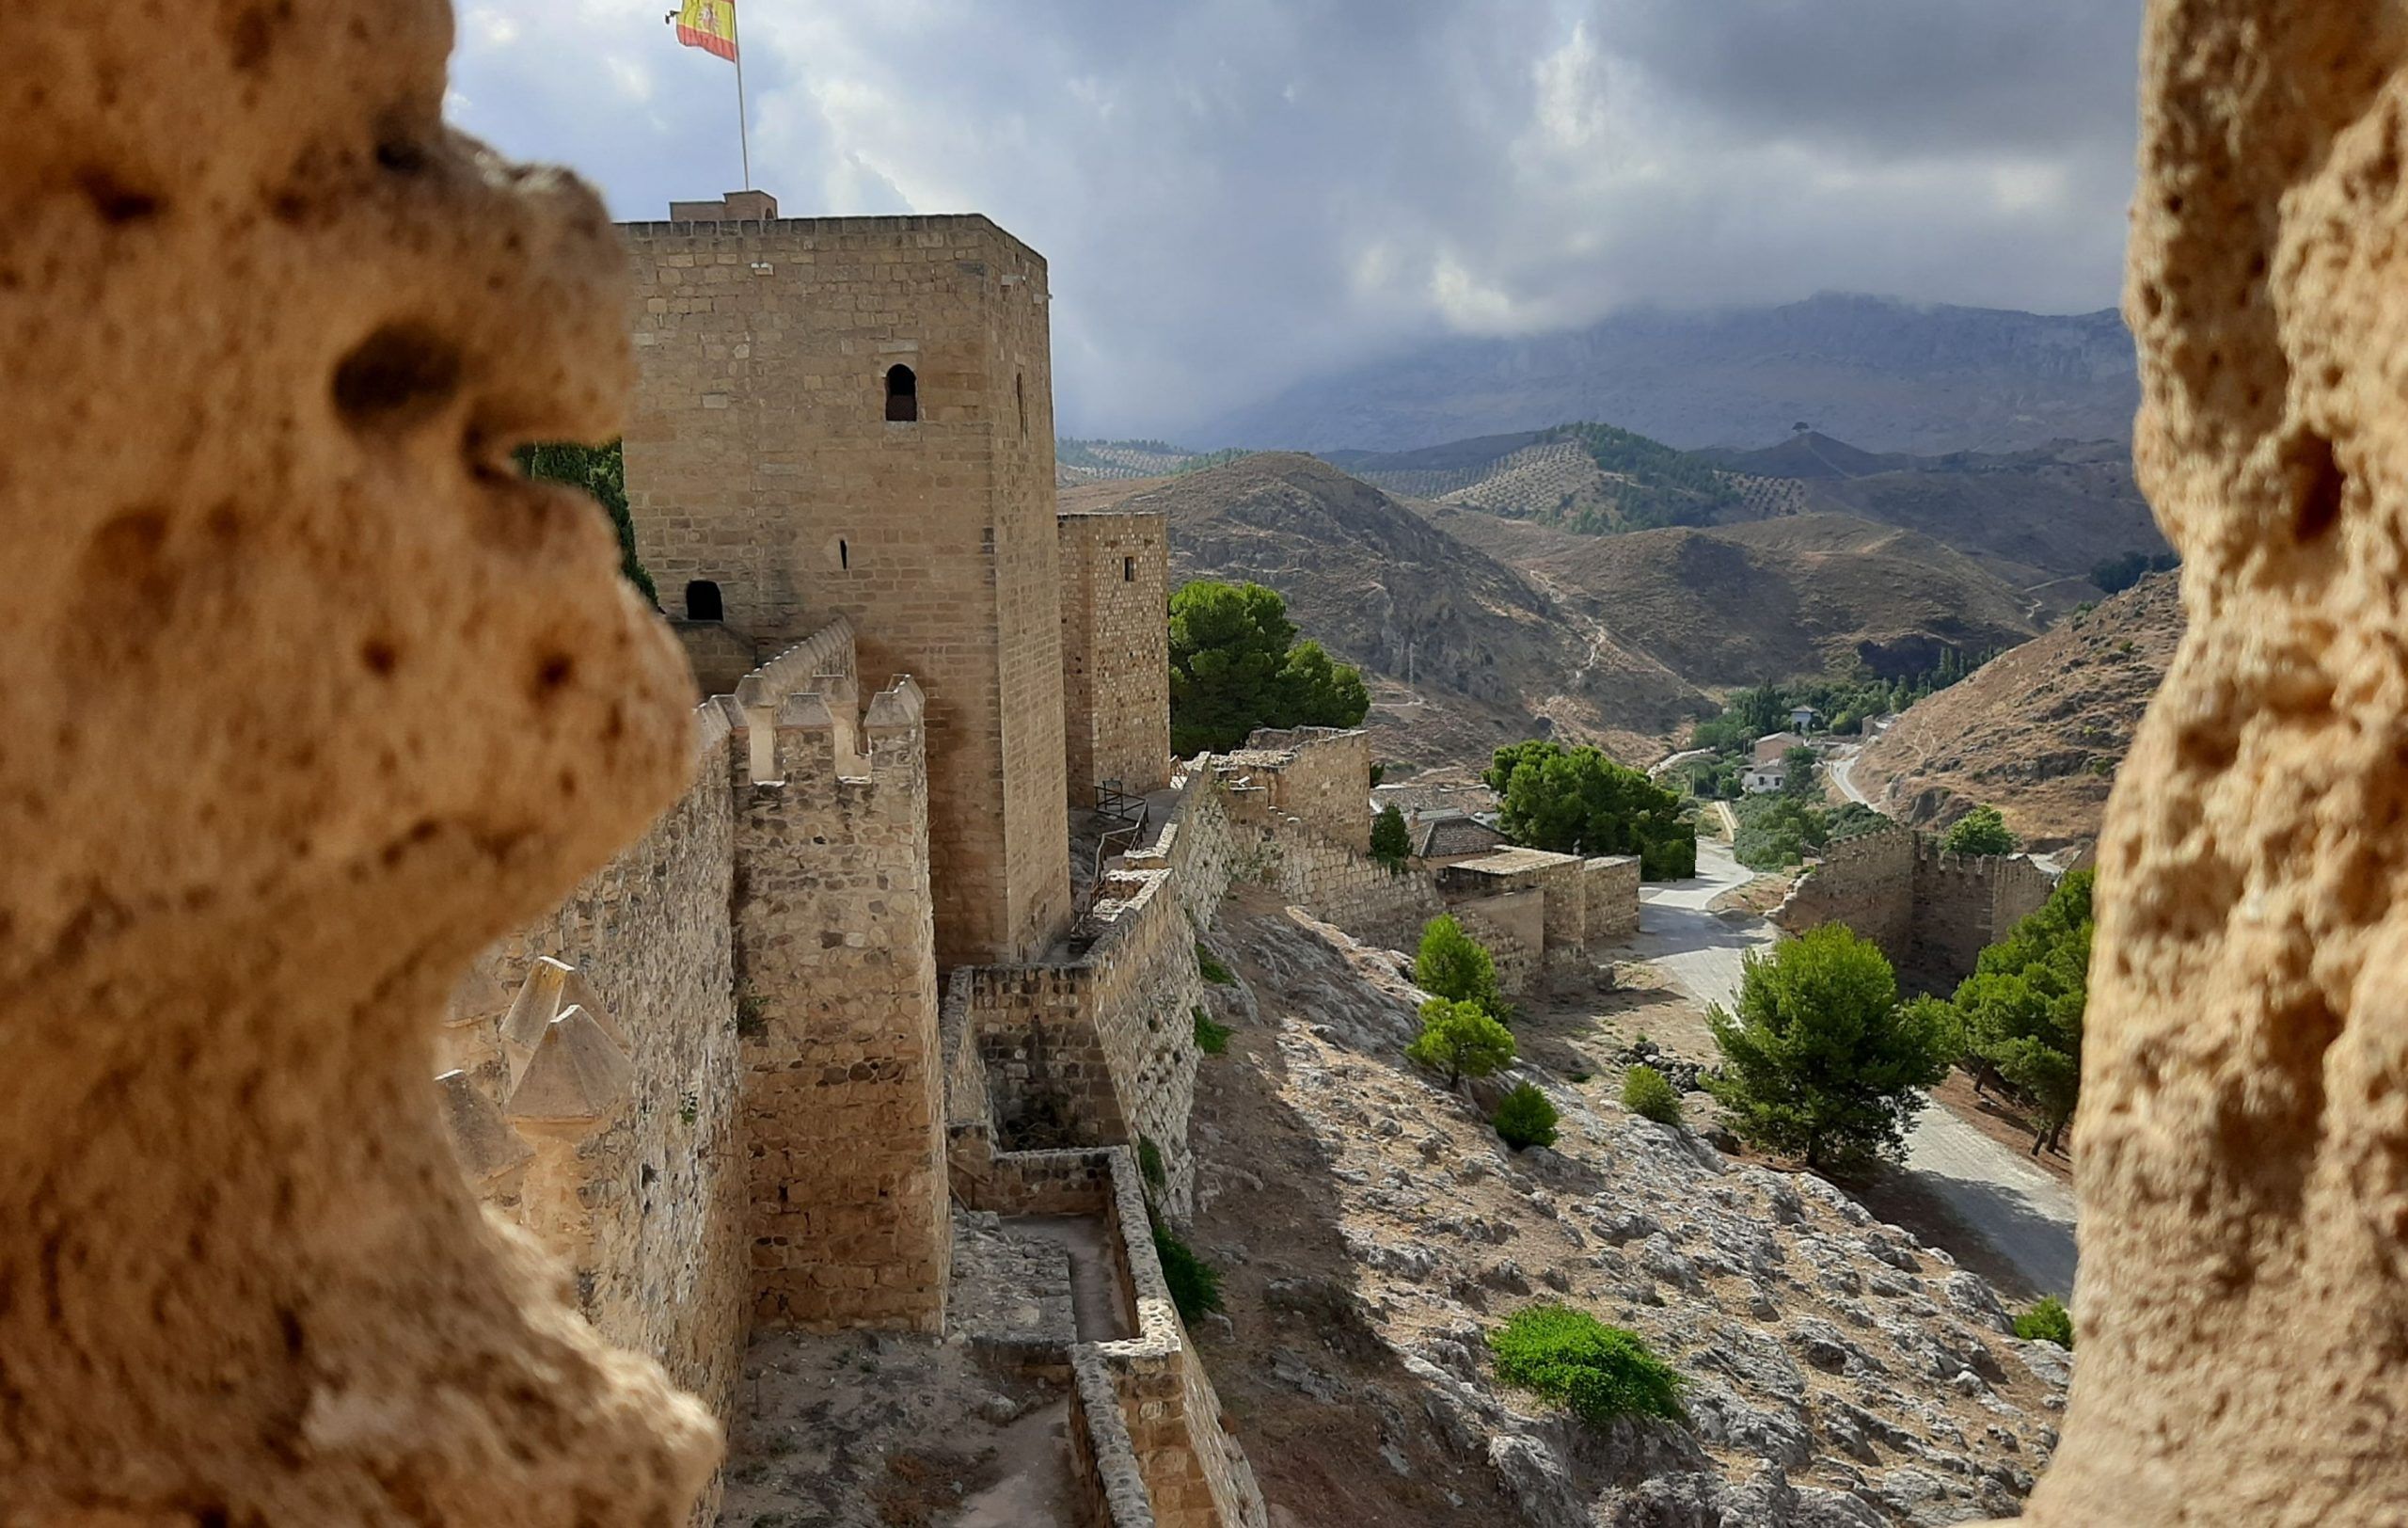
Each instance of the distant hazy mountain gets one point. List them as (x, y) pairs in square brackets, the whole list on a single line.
[(1887, 375)]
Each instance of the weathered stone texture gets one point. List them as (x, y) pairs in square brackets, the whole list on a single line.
[(761, 459), (307, 698), (654, 1192), (1932, 912), (1101, 1049), (1963, 904), (2243, 1145), (1321, 776), (1867, 883), (1610, 886), (1116, 650), (843, 1106)]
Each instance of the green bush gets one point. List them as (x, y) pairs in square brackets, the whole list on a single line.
[(1648, 1093), (1454, 965), (1599, 1372), (1820, 1059), (1195, 1286), (1778, 829), (602, 471), (1208, 966), (1391, 841), (1211, 1038), (1461, 1040), (1981, 831), (2047, 1321), (1236, 665), (1576, 800), (1524, 1118), (1150, 1162)]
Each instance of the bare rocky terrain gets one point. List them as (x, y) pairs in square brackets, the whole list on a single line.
[(2038, 518), (2037, 732), (1739, 604), (1463, 652), (1371, 1229)]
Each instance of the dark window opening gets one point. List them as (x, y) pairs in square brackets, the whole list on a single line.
[(701, 601), (1128, 570), (1020, 396), (902, 395), (844, 554)]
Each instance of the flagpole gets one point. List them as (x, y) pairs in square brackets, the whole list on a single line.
[(743, 139)]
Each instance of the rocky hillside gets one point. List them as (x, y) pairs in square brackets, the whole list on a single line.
[(2034, 517), (1465, 652), (1888, 374), (1740, 604), (2038, 732), (1372, 1230)]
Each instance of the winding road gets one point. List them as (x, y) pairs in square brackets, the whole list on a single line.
[(2025, 1214)]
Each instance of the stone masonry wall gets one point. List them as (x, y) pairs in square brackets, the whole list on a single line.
[(836, 972), (1866, 882), (1612, 894), (760, 457), (647, 1205), (1336, 882), (1962, 905), (1510, 927), (1321, 776), (1116, 651), (1101, 1048), (1931, 913)]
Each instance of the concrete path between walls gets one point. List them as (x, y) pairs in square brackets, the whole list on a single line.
[(1095, 1294), (2026, 1214)]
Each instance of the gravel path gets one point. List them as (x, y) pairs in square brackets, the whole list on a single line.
[(2019, 1210)]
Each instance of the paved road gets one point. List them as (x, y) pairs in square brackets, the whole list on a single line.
[(2019, 1209), (1838, 768)]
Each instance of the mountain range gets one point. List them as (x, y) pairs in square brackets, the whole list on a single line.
[(1886, 375)]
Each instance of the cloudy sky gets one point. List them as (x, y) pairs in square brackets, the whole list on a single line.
[(1233, 194)]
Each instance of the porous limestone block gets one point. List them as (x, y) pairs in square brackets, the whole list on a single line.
[(309, 697), (2242, 1144)]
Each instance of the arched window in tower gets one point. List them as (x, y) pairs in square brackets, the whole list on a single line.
[(902, 395), (701, 601)]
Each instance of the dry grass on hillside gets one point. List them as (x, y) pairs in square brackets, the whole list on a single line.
[(2038, 732)]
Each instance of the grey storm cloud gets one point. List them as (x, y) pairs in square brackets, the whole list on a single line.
[(1238, 194)]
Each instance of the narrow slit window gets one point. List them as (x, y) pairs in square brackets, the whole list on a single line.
[(902, 395), (844, 554), (1020, 396), (1128, 570), (703, 602)]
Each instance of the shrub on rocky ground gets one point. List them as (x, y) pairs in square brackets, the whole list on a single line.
[(1208, 966), (1460, 1040), (1150, 1162), (2046, 1321), (1647, 1093), (1454, 965), (1599, 1372), (1524, 1118), (1195, 1285), (1210, 1038)]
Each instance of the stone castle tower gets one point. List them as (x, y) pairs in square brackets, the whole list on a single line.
[(854, 417)]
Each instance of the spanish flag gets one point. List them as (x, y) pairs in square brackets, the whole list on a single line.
[(708, 25)]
